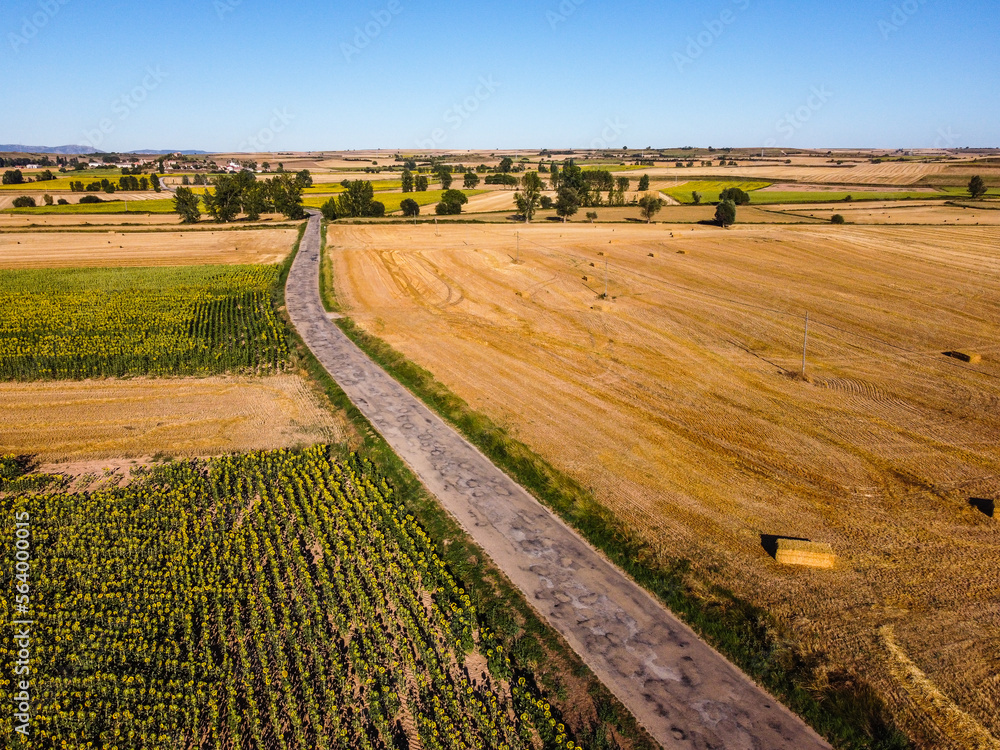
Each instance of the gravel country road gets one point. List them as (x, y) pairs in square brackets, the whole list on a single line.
[(681, 690)]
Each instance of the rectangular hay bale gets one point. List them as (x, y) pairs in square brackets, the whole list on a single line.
[(799, 552), (969, 357)]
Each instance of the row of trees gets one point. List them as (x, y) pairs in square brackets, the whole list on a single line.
[(16, 177), (242, 193), (420, 183), (125, 182)]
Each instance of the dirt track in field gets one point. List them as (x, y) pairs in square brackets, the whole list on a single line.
[(678, 407), (121, 248), (684, 693), (102, 419)]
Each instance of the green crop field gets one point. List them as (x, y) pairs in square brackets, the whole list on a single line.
[(336, 187), (963, 192), (110, 206), (82, 323), (271, 600), (393, 200), (764, 197), (710, 189)]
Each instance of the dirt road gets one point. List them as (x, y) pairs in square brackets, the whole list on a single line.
[(682, 691)]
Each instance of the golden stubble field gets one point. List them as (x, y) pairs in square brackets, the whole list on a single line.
[(130, 248), (679, 406), (69, 421)]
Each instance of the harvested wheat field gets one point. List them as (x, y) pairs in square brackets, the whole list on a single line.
[(677, 402), (899, 212), (114, 248), (93, 419)]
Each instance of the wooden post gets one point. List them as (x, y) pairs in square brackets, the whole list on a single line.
[(805, 343)]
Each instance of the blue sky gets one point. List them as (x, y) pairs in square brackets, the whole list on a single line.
[(397, 74)]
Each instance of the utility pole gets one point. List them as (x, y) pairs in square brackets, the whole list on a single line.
[(805, 343)]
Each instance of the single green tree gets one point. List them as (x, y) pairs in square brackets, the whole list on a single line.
[(644, 183), (554, 176), (977, 187), (186, 204), (356, 200), (24, 201), (286, 195), (567, 202), (410, 207), (329, 209), (255, 200), (592, 215), (304, 179), (470, 181), (528, 198), (445, 177), (48, 199), (736, 195), (224, 203), (624, 184), (650, 205), (837, 219), (695, 197), (154, 180), (451, 202), (407, 181), (506, 164), (421, 183), (725, 213)]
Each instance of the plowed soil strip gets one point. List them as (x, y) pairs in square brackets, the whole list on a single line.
[(680, 689)]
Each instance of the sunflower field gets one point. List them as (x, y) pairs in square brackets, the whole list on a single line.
[(88, 323), (279, 599)]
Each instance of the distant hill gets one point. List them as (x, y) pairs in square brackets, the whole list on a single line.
[(10, 148)]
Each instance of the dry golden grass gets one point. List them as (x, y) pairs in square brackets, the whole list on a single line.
[(120, 248), (676, 404), (105, 419)]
